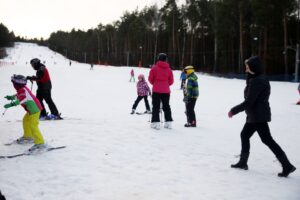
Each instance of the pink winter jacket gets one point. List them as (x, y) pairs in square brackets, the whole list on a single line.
[(161, 77)]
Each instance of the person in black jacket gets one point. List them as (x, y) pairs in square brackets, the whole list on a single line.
[(256, 106), (43, 92), (2, 197)]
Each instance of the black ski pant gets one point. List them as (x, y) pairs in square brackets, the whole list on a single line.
[(46, 95), (157, 100), (190, 110), (264, 134), (182, 83), (137, 101)]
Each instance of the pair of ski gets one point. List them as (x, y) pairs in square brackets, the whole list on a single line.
[(28, 153)]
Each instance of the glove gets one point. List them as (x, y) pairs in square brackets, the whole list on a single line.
[(13, 103), (10, 97), (230, 114), (8, 105), (29, 78)]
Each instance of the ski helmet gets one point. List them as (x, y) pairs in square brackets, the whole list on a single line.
[(19, 80), (189, 69), (162, 57), (141, 77), (35, 63)]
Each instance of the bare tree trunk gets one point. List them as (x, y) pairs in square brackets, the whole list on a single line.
[(265, 51), (155, 47), (215, 39), (241, 54), (183, 49), (286, 72), (173, 40), (215, 53), (191, 47)]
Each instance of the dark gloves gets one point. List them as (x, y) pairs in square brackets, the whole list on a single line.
[(30, 78), (230, 114), (187, 99), (10, 97), (13, 103)]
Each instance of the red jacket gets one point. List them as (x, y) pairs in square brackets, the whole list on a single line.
[(161, 77)]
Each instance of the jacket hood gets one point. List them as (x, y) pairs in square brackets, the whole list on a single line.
[(193, 76), (162, 64), (255, 65)]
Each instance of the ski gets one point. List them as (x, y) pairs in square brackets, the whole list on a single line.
[(140, 113), (16, 142), (33, 153)]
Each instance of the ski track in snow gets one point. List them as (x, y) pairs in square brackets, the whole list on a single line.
[(112, 155)]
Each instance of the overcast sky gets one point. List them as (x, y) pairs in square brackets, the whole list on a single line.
[(39, 18)]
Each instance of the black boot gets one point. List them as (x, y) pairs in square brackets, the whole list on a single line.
[(287, 167), (242, 164)]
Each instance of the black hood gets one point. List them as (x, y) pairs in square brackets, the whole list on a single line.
[(255, 65), (38, 66)]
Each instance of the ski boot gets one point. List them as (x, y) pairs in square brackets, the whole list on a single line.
[(23, 140), (168, 125), (155, 125), (37, 148)]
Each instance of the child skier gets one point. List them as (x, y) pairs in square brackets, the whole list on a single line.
[(142, 90), (33, 109), (190, 96), (182, 78), (132, 76), (298, 103)]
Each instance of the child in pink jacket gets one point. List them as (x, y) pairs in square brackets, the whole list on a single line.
[(143, 90), (33, 108)]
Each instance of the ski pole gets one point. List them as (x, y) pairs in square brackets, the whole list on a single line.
[(160, 110), (150, 116), (31, 85), (4, 112)]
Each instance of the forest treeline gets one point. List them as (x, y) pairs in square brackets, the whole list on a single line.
[(213, 35), (6, 39)]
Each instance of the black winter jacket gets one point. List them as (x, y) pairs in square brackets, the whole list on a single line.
[(256, 103), (42, 78)]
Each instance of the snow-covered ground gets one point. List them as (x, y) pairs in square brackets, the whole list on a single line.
[(112, 155)]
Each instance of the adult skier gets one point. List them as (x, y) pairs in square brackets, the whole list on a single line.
[(182, 79), (43, 92), (161, 77), (33, 108), (257, 108)]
